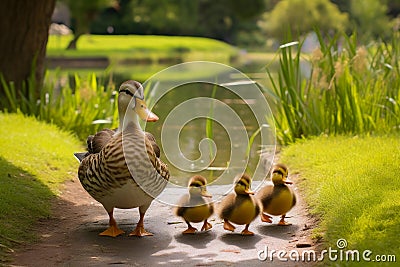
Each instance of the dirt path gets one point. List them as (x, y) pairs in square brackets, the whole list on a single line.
[(71, 238)]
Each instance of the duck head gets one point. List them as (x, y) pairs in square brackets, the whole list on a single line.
[(280, 174), (131, 98), (197, 186), (243, 184)]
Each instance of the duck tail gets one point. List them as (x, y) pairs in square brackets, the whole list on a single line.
[(81, 155)]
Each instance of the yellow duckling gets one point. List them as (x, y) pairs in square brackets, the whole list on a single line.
[(194, 207), (240, 207), (277, 199)]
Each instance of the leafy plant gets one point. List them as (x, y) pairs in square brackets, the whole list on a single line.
[(83, 109), (351, 89)]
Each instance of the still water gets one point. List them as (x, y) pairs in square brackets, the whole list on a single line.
[(242, 139), (222, 105)]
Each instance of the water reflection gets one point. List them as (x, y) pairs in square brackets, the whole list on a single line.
[(194, 131)]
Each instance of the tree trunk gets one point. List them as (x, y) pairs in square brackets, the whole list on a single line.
[(24, 27), (72, 44)]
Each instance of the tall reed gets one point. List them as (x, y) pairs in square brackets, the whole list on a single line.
[(82, 110), (350, 89)]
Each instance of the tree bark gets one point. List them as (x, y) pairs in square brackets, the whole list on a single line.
[(24, 27), (72, 44)]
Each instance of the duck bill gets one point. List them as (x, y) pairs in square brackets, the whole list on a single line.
[(287, 182), (143, 112), (205, 194), (249, 192)]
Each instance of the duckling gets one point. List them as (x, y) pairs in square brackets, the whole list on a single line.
[(240, 207), (277, 199), (194, 207)]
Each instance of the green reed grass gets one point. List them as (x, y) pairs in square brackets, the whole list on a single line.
[(75, 109), (350, 89)]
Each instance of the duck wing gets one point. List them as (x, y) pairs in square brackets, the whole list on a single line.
[(153, 143), (95, 143)]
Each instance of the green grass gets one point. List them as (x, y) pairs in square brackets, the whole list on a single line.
[(34, 159), (352, 184), (125, 47)]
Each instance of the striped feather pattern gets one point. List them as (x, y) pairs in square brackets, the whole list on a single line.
[(128, 156)]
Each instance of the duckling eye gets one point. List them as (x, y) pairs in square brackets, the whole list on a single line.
[(241, 183), (141, 106)]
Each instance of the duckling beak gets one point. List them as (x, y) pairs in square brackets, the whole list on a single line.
[(143, 112), (284, 180), (204, 193), (249, 192)]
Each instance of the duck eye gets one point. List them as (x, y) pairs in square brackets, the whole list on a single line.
[(241, 183), (141, 106)]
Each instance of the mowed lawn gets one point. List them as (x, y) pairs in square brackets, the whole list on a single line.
[(35, 158), (353, 185), (140, 46)]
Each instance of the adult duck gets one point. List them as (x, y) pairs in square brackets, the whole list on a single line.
[(121, 169)]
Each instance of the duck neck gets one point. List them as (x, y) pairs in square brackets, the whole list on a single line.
[(126, 119)]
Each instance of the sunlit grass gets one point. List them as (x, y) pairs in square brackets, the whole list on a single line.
[(352, 184), (123, 47), (34, 159)]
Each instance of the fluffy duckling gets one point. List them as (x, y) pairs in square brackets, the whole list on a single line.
[(277, 199), (240, 207), (194, 207)]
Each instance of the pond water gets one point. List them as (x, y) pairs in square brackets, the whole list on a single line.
[(220, 104), (233, 121)]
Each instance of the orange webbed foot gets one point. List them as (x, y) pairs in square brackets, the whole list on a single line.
[(228, 226), (266, 218), (246, 232), (190, 230), (282, 222), (140, 231), (112, 231), (206, 226)]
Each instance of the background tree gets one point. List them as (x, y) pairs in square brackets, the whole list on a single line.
[(301, 16), (222, 19), (369, 18), (24, 31), (83, 13)]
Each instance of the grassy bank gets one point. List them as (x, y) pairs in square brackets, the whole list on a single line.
[(34, 159), (353, 185), (123, 48)]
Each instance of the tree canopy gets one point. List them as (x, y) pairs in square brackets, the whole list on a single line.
[(302, 16), (83, 13)]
